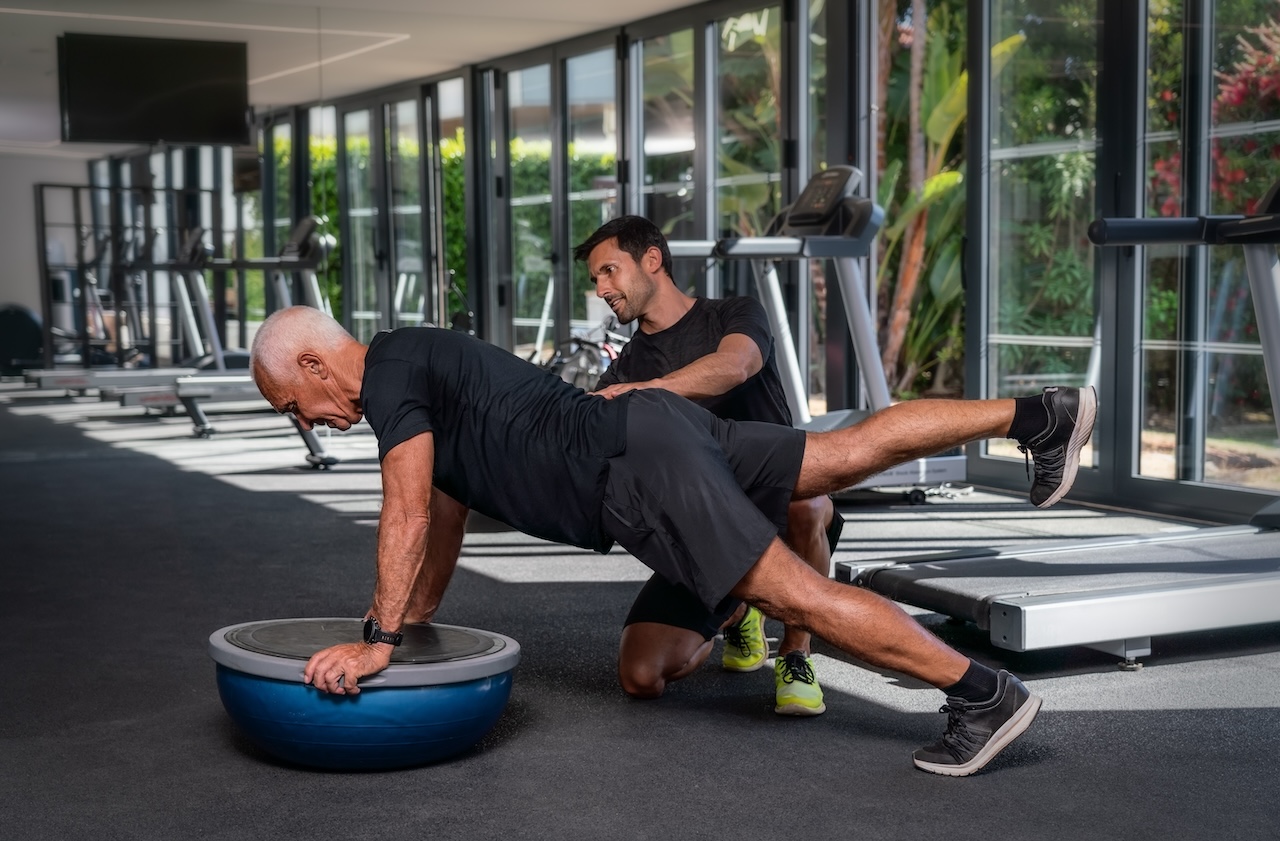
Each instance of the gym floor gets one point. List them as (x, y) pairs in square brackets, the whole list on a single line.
[(126, 542)]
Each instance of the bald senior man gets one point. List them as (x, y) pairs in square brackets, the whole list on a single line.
[(462, 424)]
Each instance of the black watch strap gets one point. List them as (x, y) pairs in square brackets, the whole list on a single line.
[(373, 633)]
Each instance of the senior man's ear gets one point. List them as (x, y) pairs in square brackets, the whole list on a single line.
[(313, 364)]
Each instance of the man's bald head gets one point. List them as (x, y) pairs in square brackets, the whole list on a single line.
[(285, 335)]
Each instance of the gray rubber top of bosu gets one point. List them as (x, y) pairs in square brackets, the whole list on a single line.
[(429, 655)]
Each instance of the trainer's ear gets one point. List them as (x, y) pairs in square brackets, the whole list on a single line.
[(652, 260), (312, 364)]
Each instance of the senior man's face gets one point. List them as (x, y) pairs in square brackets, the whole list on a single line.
[(316, 401)]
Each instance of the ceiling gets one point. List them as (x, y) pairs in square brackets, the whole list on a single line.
[(298, 51)]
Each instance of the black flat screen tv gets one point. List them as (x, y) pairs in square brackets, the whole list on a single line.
[(153, 90)]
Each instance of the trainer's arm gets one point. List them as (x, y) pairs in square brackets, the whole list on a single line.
[(735, 360), (402, 544)]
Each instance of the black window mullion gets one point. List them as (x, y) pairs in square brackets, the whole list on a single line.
[(561, 250), (1198, 83), (344, 223), (1121, 158)]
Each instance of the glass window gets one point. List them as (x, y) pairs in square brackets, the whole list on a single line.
[(322, 148), (667, 140), (1162, 285), (1200, 331), (451, 105), (252, 221), (748, 119), (1244, 144), (404, 176), (817, 129), (282, 163), (593, 167), (1041, 323), (360, 258), (533, 288)]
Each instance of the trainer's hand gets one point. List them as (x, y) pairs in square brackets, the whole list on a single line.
[(338, 669), (612, 391)]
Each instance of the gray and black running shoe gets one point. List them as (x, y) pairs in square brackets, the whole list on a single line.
[(1056, 450), (977, 732)]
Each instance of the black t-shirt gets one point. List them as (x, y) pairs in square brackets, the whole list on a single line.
[(511, 441), (651, 355)]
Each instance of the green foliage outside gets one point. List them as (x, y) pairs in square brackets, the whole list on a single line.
[(1243, 166), (749, 142), (921, 323), (1043, 261), (531, 222), (324, 205)]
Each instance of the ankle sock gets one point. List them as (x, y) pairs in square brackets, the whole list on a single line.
[(1030, 417), (978, 684)]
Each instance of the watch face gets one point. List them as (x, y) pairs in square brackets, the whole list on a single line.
[(370, 626)]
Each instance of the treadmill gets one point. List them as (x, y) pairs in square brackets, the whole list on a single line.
[(1115, 594), (828, 221)]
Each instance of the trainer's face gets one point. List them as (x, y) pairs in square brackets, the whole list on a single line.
[(622, 282)]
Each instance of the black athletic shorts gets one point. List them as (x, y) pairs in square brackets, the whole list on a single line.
[(698, 499), (665, 603)]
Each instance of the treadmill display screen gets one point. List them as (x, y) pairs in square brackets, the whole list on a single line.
[(821, 196)]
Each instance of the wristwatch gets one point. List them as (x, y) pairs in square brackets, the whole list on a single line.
[(373, 633)]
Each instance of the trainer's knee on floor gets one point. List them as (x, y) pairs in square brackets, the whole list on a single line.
[(642, 680)]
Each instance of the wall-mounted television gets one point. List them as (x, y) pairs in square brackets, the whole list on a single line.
[(116, 89)]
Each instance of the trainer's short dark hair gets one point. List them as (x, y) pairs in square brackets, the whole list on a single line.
[(635, 235)]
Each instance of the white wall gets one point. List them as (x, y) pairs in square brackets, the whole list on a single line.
[(19, 265)]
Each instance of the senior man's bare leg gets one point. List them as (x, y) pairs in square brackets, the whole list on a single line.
[(1052, 428), (858, 621), (986, 710), (903, 432)]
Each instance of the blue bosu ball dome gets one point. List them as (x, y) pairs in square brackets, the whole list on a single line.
[(445, 689)]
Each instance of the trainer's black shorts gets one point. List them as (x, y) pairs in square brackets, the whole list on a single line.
[(696, 498), (665, 603)]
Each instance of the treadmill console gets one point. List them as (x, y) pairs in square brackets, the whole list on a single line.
[(822, 195)]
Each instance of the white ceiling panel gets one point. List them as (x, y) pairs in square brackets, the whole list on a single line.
[(298, 51)]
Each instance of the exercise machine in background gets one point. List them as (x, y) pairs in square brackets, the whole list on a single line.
[(827, 222), (1115, 594), (221, 376)]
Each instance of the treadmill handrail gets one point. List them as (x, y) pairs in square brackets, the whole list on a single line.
[(790, 248), (691, 248), (1171, 230), (761, 248)]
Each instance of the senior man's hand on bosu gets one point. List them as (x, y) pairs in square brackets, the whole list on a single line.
[(339, 668)]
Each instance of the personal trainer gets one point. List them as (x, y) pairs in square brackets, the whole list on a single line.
[(719, 353)]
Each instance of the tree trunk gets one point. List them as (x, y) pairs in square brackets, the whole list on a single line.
[(887, 19), (904, 293), (911, 261)]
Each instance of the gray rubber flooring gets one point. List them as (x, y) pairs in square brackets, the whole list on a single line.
[(124, 543)]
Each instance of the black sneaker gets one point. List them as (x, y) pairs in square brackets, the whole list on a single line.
[(1056, 450), (977, 732)]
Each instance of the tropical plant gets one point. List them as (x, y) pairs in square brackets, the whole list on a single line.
[(922, 326)]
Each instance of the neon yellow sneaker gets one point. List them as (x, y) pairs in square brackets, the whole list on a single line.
[(798, 692), (745, 648)]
